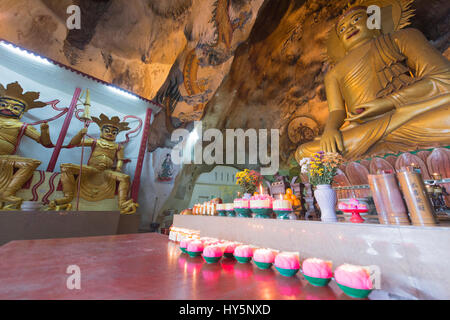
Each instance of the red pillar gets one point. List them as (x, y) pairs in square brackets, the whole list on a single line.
[(65, 127), (140, 162)]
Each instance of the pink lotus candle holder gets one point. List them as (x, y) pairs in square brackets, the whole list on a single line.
[(263, 258), (229, 249), (261, 205), (318, 272), (195, 248), (184, 244), (243, 253), (355, 208), (354, 280), (213, 253), (287, 263)]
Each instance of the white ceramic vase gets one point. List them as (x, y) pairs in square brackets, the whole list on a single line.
[(326, 198), (31, 206)]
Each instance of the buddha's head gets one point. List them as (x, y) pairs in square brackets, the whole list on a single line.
[(352, 29), (110, 128), (14, 103)]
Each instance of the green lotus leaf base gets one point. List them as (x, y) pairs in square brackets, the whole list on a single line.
[(222, 213), (282, 215), (262, 213), (183, 250), (193, 254), (211, 259), (317, 282), (243, 212), (231, 213), (355, 293), (243, 259), (262, 265), (287, 272)]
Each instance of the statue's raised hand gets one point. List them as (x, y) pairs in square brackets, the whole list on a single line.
[(83, 132), (331, 141), (44, 126)]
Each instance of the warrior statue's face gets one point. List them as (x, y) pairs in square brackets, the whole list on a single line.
[(352, 29), (109, 133), (11, 108)]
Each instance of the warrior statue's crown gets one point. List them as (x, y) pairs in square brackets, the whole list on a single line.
[(15, 91), (113, 122)]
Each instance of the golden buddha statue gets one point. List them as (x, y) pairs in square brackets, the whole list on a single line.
[(15, 171), (98, 177), (389, 87)]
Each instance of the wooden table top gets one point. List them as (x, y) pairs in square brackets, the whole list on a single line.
[(139, 266)]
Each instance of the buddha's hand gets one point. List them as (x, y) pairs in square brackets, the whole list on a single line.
[(371, 109), (331, 141)]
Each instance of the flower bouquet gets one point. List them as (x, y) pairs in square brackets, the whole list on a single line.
[(321, 170), (248, 180)]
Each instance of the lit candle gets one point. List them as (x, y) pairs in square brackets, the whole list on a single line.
[(86, 116), (261, 189)]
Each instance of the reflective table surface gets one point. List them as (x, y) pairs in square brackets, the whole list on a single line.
[(140, 266)]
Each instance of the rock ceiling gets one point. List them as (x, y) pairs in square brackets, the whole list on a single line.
[(232, 63)]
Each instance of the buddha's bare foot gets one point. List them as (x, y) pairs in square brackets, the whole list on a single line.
[(10, 198), (10, 202), (128, 207), (12, 207), (53, 206)]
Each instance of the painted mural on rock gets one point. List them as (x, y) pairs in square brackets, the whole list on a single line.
[(215, 31)]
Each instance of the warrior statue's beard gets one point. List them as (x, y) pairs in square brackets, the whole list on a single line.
[(7, 113)]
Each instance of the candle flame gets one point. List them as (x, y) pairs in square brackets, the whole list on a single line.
[(260, 189)]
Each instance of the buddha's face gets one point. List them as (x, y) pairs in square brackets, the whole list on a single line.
[(352, 29), (11, 108), (109, 133)]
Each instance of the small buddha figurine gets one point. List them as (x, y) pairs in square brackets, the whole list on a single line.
[(390, 85), (15, 171), (103, 170)]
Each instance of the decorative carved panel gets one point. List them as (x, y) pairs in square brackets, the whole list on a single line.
[(380, 164), (439, 162), (341, 180), (357, 175), (392, 160), (408, 159), (365, 163)]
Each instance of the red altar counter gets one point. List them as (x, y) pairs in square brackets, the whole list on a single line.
[(140, 266)]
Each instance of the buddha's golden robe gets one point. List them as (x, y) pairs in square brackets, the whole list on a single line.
[(404, 68)]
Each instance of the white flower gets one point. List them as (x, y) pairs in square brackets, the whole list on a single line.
[(304, 165), (304, 161)]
